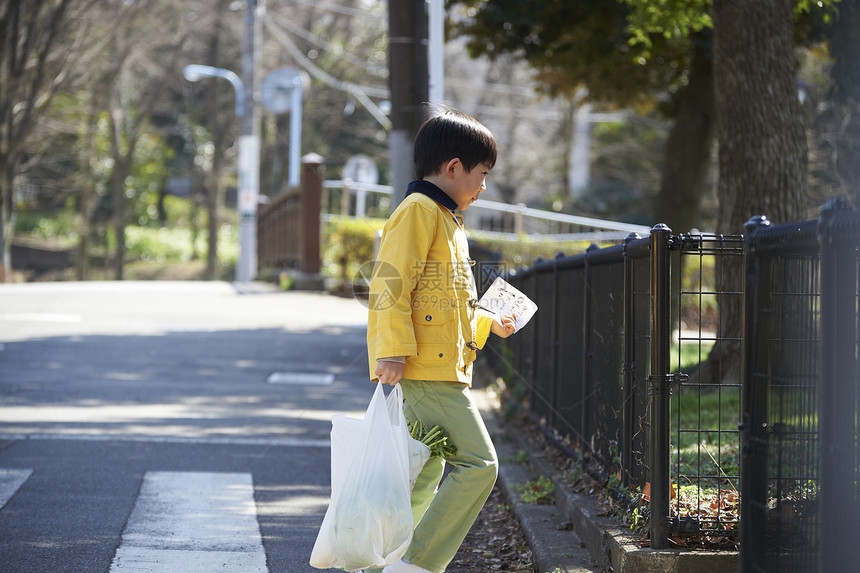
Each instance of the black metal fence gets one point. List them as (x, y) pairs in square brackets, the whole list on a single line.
[(607, 360), (719, 372), (801, 452)]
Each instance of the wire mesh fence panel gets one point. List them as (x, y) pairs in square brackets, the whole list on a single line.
[(572, 396), (605, 359), (839, 402), (544, 296), (764, 414), (793, 415), (707, 296), (781, 438), (523, 343), (638, 363)]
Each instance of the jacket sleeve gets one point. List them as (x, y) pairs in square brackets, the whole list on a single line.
[(400, 263), (485, 323)]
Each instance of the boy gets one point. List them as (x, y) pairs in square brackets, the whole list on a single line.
[(424, 326)]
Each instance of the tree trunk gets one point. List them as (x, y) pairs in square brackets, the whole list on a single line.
[(219, 128), (213, 200), (762, 143), (121, 170), (6, 179), (763, 155), (85, 202), (689, 145)]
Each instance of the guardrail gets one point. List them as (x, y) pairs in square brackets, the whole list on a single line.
[(349, 198)]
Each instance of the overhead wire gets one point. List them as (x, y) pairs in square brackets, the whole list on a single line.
[(321, 43), (340, 9), (360, 93)]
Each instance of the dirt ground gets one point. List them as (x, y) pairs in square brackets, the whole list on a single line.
[(495, 543)]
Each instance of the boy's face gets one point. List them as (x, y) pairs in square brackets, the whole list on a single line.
[(465, 186)]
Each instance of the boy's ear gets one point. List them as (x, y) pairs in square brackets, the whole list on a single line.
[(450, 166)]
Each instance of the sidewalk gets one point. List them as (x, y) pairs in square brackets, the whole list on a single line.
[(572, 536)]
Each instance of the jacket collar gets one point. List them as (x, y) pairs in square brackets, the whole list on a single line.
[(432, 191)]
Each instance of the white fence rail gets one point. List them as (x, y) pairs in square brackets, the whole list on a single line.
[(537, 224)]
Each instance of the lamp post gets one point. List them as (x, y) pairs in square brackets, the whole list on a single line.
[(249, 167), (249, 138)]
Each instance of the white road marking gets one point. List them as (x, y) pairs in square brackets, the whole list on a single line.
[(301, 378), (10, 482), (202, 440), (193, 522)]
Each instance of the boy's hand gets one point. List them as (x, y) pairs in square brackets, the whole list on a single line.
[(505, 326), (389, 372)]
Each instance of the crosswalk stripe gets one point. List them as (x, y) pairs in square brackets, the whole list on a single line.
[(10, 482), (194, 522), (202, 440)]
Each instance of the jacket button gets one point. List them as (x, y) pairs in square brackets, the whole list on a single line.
[(441, 355), (428, 318)]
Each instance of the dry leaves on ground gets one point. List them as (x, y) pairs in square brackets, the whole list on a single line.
[(495, 543)]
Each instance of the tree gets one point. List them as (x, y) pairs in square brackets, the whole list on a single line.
[(587, 44), (219, 125), (147, 65), (763, 154), (33, 64)]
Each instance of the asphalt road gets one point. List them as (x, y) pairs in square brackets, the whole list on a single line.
[(142, 429)]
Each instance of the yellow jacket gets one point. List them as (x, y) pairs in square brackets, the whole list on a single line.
[(422, 293)]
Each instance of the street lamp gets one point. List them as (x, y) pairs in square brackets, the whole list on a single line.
[(249, 169), (194, 72)]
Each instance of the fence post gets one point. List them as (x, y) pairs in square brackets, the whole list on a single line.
[(754, 399), (660, 385), (518, 218), (310, 215), (587, 333), (629, 365), (555, 344), (838, 392)]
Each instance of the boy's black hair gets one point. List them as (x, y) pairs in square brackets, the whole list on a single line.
[(451, 134)]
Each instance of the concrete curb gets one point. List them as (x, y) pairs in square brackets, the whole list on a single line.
[(572, 535)]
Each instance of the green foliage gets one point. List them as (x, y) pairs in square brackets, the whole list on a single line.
[(572, 45), (538, 491), (522, 457), (170, 244), (148, 176), (526, 249), (286, 281), (60, 225), (348, 244), (674, 20)]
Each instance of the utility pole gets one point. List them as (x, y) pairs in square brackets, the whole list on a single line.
[(249, 148), (436, 51), (408, 79)]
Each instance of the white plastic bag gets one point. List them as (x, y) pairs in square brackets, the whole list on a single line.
[(374, 463)]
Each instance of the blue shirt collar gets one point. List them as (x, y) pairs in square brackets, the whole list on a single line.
[(432, 191)]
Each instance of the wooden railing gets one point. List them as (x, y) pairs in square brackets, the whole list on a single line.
[(288, 228)]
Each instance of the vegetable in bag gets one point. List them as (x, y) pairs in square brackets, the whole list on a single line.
[(374, 463)]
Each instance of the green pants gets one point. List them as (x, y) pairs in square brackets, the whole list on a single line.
[(444, 515)]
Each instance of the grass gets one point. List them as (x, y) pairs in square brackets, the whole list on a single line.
[(705, 450), (538, 491)]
